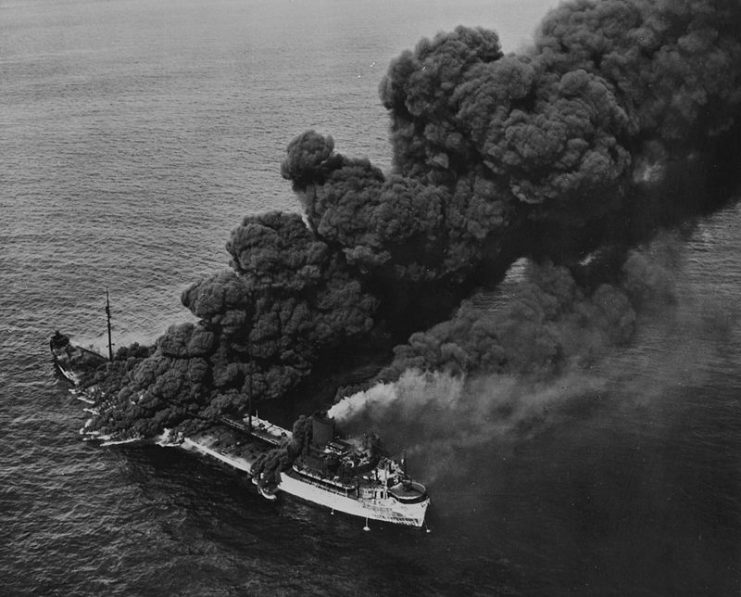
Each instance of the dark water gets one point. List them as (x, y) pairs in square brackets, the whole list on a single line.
[(134, 135)]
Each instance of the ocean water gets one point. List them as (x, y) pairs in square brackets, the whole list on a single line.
[(134, 136)]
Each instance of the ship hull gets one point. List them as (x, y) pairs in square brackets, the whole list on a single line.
[(66, 373), (382, 509), (64, 361), (378, 506)]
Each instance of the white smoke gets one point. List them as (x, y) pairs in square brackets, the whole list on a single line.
[(412, 392), (435, 417)]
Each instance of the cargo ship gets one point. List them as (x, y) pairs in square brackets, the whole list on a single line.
[(352, 476)]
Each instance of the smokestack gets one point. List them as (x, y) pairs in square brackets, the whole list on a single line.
[(322, 430)]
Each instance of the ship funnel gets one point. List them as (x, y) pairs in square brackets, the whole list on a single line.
[(322, 429)]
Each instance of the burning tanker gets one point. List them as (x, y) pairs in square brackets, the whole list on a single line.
[(620, 121)]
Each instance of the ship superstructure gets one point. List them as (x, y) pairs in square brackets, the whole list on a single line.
[(355, 477)]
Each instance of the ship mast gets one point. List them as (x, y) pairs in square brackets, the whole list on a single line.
[(108, 317), (249, 404)]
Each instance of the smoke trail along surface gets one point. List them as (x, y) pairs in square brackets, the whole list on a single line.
[(447, 419), (504, 353), (570, 147)]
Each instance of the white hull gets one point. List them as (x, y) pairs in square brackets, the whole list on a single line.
[(385, 509)]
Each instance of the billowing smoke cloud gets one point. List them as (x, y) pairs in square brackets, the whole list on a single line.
[(548, 322), (621, 120), (452, 404), (261, 329), (538, 325)]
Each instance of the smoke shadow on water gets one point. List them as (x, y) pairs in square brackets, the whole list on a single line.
[(618, 478), (614, 501)]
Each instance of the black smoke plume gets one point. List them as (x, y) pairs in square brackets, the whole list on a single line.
[(620, 121)]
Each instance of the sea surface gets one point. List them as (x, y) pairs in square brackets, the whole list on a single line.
[(134, 135)]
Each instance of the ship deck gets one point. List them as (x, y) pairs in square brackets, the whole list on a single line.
[(229, 445)]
